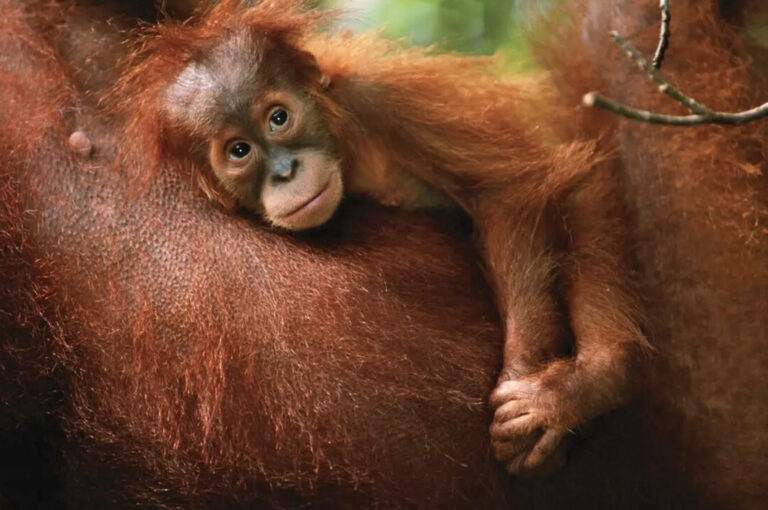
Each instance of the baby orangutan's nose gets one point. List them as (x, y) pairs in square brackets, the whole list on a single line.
[(284, 167)]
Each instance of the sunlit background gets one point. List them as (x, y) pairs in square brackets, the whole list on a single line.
[(469, 26)]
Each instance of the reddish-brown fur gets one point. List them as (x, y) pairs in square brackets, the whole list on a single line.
[(133, 374), (546, 206)]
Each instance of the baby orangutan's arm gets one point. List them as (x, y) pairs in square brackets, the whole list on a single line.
[(546, 387)]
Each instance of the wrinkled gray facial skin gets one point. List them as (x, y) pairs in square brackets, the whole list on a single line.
[(268, 147)]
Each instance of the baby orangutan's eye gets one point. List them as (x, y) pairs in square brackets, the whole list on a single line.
[(239, 151), (277, 118)]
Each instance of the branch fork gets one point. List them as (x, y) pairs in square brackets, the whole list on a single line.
[(700, 113)]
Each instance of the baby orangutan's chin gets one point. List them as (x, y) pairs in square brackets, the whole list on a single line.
[(313, 209)]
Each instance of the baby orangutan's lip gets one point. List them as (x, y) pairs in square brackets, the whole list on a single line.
[(311, 203)]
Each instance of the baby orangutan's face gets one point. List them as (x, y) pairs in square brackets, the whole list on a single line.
[(279, 163), (268, 146)]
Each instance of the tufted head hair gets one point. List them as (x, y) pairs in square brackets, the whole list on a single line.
[(192, 75)]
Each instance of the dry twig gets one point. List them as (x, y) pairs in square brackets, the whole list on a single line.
[(658, 57), (700, 114)]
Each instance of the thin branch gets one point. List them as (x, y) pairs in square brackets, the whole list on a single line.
[(596, 100), (701, 114), (664, 86), (658, 57)]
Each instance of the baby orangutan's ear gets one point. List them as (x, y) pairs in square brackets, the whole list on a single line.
[(312, 69)]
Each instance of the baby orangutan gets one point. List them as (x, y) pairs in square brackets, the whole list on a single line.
[(278, 118)]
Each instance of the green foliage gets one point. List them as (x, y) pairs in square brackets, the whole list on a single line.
[(468, 26)]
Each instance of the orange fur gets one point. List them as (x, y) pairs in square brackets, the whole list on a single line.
[(547, 207), (158, 354)]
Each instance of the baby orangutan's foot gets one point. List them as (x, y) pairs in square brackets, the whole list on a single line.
[(530, 424)]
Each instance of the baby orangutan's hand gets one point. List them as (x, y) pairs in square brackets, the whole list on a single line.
[(529, 426)]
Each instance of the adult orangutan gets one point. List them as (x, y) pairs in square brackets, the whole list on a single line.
[(276, 118), (152, 355)]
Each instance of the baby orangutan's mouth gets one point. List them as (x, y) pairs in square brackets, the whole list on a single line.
[(311, 202), (314, 210)]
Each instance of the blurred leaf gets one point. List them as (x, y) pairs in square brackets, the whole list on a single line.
[(468, 26), (460, 26)]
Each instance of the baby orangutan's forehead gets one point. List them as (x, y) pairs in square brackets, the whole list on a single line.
[(219, 85)]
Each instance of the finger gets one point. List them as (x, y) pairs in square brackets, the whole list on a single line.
[(552, 463), (544, 449), (510, 390), (510, 410), (522, 425), (515, 466), (507, 450)]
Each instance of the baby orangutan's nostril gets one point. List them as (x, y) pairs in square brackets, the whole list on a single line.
[(285, 169)]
